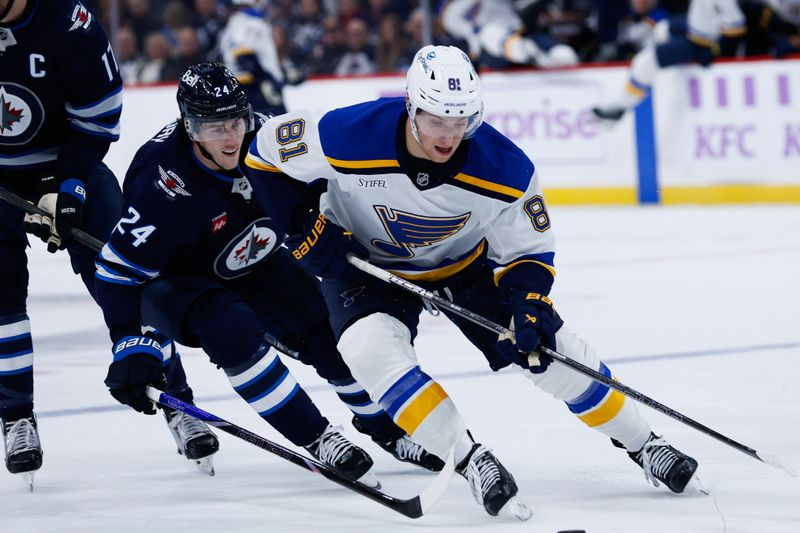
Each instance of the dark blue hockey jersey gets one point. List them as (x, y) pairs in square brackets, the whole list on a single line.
[(60, 91), (180, 217)]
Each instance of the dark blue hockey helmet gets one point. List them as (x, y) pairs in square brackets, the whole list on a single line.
[(210, 93)]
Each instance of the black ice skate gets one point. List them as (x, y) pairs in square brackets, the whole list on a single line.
[(492, 485), (334, 450), (22, 447), (194, 439), (661, 462), (609, 115), (406, 450)]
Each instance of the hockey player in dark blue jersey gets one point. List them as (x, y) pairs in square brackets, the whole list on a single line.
[(60, 103), (196, 257)]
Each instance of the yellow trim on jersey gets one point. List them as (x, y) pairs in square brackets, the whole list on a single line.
[(241, 51), (606, 411), (515, 263), (368, 163), (254, 163), (245, 79), (736, 31), (488, 185), (634, 90), (444, 272), (420, 407), (508, 42)]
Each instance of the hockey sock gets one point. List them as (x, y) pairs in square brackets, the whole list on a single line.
[(16, 367)]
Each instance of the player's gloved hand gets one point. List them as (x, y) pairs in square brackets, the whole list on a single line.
[(66, 208), (533, 322), (137, 364), (322, 249)]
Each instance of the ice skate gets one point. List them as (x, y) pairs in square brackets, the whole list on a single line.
[(406, 450), (492, 485), (334, 450), (661, 462), (23, 450), (194, 439)]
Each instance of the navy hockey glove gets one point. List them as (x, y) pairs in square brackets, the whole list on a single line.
[(67, 209), (137, 364), (533, 321), (322, 249)]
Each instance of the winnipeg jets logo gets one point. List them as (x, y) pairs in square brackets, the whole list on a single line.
[(21, 114), (171, 184), (423, 178), (81, 18), (246, 250)]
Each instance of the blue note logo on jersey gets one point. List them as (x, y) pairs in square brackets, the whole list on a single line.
[(408, 230), (246, 250), (21, 113)]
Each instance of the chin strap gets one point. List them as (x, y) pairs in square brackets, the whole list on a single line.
[(208, 156)]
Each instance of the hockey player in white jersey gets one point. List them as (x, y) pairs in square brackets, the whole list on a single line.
[(495, 28), (248, 50), (432, 194), (698, 38)]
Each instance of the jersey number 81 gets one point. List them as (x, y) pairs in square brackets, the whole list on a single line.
[(290, 132)]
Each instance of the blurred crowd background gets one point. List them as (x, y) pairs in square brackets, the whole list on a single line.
[(155, 40)]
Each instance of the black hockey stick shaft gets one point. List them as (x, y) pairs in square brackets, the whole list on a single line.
[(413, 507), (575, 365), (77, 234)]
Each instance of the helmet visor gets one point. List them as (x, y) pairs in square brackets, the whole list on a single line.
[(446, 127), (203, 129)]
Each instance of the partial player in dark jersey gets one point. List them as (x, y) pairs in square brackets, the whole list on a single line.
[(60, 103), (196, 257)]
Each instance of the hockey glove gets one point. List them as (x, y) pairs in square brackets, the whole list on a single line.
[(533, 322), (137, 364), (322, 249), (67, 209)]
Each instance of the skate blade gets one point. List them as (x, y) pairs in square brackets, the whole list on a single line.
[(205, 465), (696, 485), (27, 477), (370, 479), (515, 508)]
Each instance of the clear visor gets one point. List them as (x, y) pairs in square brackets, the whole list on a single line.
[(445, 127), (207, 129)]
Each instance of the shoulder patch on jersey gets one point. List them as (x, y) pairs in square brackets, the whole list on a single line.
[(81, 18), (495, 167), (170, 183)]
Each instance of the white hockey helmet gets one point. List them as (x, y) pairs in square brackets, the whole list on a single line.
[(442, 81)]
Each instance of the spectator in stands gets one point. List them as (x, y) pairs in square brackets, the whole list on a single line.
[(390, 50), (306, 29), (330, 48), (143, 16), (128, 56), (158, 63), (209, 18), (189, 51), (349, 10), (174, 16), (360, 55)]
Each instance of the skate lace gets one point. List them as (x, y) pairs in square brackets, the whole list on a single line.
[(332, 446), (21, 436), (405, 448), (482, 472), (187, 426), (657, 458)]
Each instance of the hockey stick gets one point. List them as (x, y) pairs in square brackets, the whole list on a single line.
[(24, 205), (390, 278), (413, 507)]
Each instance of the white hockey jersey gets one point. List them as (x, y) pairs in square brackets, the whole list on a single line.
[(248, 33), (493, 204)]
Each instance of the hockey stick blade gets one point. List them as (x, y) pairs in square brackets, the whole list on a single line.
[(413, 507), (631, 393)]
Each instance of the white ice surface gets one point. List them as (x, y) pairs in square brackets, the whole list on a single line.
[(695, 307)]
